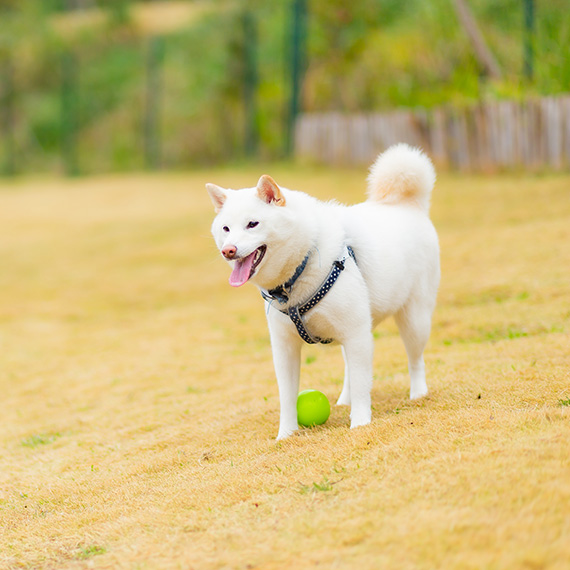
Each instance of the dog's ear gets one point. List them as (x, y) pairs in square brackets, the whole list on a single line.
[(217, 195), (269, 192)]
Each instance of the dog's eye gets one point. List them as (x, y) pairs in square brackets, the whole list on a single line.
[(226, 229), (252, 225)]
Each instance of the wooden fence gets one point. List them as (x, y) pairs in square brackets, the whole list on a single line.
[(531, 134)]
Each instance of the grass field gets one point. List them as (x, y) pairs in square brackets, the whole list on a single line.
[(139, 406)]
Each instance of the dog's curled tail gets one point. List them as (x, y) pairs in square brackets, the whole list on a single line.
[(402, 174)]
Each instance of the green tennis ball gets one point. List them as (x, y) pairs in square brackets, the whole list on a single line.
[(313, 408)]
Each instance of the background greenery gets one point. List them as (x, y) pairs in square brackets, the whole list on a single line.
[(368, 55)]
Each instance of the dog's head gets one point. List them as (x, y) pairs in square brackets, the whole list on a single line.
[(251, 224)]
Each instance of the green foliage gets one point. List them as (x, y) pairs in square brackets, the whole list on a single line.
[(118, 10), (367, 55)]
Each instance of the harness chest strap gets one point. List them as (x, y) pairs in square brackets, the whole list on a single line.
[(281, 292), (296, 312)]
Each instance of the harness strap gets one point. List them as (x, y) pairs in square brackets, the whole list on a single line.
[(295, 315), (281, 292), (296, 312)]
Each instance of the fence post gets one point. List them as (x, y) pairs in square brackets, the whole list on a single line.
[(153, 115), (7, 106), (68, 113), (298, 62)]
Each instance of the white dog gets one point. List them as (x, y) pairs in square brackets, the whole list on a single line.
[(330, 272)]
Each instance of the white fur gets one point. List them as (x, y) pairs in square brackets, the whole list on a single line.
[(397, 271), (402, 173)]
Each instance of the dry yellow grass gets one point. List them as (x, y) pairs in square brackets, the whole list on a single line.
[(139, 407)]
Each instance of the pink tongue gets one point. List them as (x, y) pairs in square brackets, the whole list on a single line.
[(242, 270)]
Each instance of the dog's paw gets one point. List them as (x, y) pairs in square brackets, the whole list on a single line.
[(357, 420), (284, 433), (418, 393), (356, 424)]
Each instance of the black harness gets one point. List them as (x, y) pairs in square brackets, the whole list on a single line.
[(282, 293)]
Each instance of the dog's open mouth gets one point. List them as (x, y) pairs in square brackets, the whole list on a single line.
[(245, 268)]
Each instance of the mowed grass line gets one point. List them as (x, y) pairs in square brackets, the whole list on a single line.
[(139, 406)]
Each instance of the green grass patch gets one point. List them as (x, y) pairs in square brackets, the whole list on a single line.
[(310, 359), (323, 487), (39, 439), (87, 552)]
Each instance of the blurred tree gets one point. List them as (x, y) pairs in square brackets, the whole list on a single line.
[(119, 10), (78, 4), (366, 55), (69, 96), (250, 82), (8, 4), (153, 111), (528, 39), (483, 53), (298, 51), (7, 97)]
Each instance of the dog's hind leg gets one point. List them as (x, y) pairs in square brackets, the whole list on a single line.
[(414, 324), (358, 353), (344, 398)]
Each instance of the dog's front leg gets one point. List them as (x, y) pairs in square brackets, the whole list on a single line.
[(286, 347)]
